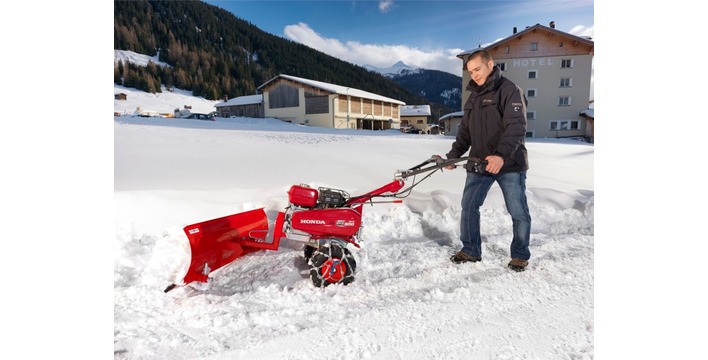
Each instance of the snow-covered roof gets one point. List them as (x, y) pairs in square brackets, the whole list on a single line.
[(450, 115), (588, 113), (337, 89), (415, 110), (242, 100)]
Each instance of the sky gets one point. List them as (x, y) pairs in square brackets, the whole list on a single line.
[(408, 300), (425, 34)]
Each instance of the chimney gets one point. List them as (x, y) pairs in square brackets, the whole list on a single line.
[(514, 30), (552, 24)]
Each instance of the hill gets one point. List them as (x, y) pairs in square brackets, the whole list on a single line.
[(437, 86), (217, 55)]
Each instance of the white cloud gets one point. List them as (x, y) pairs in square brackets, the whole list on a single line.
[(376, 54), (385, 5), (581, 30)]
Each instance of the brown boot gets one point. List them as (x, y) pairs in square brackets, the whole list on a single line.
[(462, 257), (518, 265)]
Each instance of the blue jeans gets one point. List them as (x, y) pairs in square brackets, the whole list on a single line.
[(513, 186)]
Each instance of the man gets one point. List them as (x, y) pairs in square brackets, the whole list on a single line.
[(493, 129)]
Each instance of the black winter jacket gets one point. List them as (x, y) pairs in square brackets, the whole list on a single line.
[(494, 123)]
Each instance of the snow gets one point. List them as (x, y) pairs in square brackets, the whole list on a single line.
[(395, 69), (138, 59), (413, 110), (243, 100), (166, 102), (408, 300)]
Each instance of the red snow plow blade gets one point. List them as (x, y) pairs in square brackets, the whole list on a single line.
[(217, 242)]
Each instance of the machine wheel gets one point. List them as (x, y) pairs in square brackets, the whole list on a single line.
[(332, 264), (309, 250)]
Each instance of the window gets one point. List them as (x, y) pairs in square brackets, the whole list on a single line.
[(566, 82), (561, 125), (506, 50), (566, 63), (560, 44), (529, 134), (533, 74), (502, 66), (564, 101), (530, 93), (534, 46), (531, 115)]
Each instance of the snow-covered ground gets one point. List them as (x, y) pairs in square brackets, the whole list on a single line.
[(408, 300)]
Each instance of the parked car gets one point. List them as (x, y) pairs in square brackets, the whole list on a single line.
[(198, 116)]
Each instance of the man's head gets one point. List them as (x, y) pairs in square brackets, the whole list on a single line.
[(479, 65)]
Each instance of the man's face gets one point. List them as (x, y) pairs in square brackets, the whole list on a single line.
[(479, 70)]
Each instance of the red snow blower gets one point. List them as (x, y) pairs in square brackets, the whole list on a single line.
[(325, 220)]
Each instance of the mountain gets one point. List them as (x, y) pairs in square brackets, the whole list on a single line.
[(392, 70), (216, 55), (436, 86)]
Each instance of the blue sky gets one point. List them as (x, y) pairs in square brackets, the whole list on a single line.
[(421, 33)]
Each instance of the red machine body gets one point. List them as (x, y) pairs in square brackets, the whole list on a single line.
[(337, 222)]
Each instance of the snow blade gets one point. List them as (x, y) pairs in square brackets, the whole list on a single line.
[(217, 242)]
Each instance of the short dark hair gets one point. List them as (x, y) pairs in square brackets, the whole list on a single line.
[(484, 54)]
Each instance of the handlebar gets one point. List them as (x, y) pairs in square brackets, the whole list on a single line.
[(439, 163)]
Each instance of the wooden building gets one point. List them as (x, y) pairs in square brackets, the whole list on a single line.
[(316, 103), (242, 106)]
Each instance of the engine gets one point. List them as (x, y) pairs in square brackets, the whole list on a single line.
[(322, 212), (320, 198)]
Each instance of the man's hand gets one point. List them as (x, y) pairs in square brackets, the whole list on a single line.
[(494, 163)]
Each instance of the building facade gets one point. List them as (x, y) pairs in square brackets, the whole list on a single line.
[(554, 69), (415, 117)]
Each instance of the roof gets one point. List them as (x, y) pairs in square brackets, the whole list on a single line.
[(415, 110), (451, 115), (336, 89), (588, 113), (242, 100), (527, 30)]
